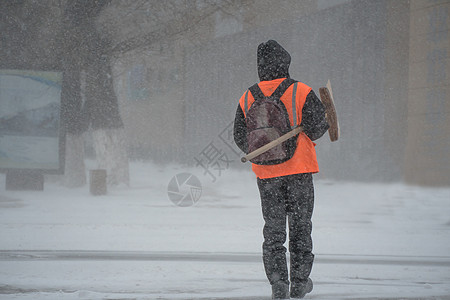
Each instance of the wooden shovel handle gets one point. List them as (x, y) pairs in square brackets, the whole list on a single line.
[(272, 144), (326, 96)]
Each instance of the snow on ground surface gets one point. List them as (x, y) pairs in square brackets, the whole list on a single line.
[(372, 241)]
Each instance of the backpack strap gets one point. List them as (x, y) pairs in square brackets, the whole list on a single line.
[(281, 89), (256, 92)]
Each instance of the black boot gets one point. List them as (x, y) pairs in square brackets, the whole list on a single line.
[(299, 291), (280, 290)]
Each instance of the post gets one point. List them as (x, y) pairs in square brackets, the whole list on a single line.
[(97, 182)]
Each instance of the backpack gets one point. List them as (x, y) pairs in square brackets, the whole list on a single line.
[(267, 119)]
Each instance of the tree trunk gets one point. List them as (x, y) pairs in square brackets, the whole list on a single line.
[(90, 90), (75, 174), (110, 150), (106, 123), (75, 124)]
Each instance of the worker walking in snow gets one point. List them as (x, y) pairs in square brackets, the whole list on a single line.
[(284, 174)]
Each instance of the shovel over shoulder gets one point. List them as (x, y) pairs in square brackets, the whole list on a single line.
[(326, 96)]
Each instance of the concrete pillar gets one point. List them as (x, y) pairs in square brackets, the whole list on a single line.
[(427, 159)]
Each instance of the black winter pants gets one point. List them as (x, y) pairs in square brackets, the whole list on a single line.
[(292, 198)]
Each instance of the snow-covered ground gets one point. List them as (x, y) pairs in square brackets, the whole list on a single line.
[(372, 241)]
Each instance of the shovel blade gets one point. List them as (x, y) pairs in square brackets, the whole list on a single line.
[(326, 97)]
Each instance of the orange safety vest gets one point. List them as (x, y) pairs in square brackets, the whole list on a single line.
[(304, 159)]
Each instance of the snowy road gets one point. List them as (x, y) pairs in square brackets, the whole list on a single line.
[(71, 274), (70, 255), (372, 241)]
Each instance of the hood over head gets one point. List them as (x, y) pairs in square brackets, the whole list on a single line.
[(273, 61)]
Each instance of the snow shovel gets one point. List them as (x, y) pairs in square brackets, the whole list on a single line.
[(326, 96)]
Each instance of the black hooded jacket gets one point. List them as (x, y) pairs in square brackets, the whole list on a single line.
[(273, 62)]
